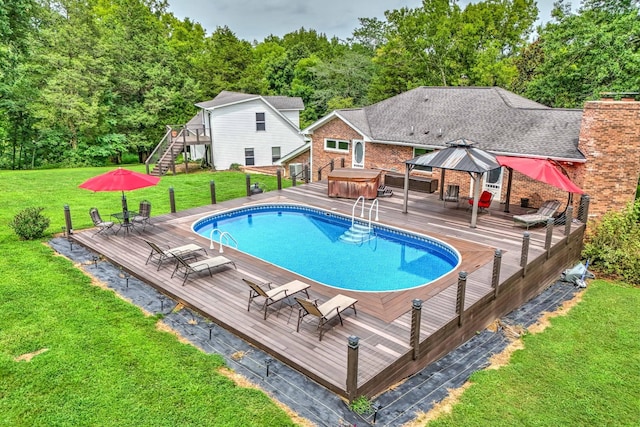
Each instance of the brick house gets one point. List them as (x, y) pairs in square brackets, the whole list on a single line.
[(598, 146)]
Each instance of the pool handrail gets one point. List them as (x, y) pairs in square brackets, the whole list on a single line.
[(222, 235), (353, 210), (374, 203)]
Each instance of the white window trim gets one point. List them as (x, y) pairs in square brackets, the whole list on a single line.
[(338, 141)]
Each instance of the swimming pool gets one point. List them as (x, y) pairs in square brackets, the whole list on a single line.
[(311, 242)]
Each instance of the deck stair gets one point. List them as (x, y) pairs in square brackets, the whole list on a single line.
[(173, 144), (357, 234)]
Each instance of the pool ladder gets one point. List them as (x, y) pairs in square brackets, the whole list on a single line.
[(358, 232), (221, 240)]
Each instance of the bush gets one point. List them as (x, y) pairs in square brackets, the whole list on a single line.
[(235, 167), (30, 224), (614, 244)]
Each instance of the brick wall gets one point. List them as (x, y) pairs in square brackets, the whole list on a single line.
[(610, 140)]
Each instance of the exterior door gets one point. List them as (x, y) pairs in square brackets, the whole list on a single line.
[(358, 154), (492, 182)]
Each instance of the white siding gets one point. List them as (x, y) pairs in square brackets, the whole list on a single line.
[(294, 116), (234, 129)]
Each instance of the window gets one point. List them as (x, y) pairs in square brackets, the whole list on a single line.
[(419, 152), (336, 144), (249, 158), (275, 154), (260, 122)]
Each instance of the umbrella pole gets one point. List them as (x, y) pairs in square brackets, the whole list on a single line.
[(125, 209), (476, 196)]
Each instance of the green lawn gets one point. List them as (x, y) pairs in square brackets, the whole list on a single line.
[(582, 371), (106, 364)]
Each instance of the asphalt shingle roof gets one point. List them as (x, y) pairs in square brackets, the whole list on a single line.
[(495, 119), (278, 102)]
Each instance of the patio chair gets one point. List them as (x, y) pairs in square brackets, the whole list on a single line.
[(485, 200), (547, 210), (326, 311), (98, 222), (274, 295), (144, 214), (207, 264), (452, 194), (160, 255)]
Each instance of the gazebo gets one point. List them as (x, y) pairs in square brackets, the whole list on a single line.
[(460, 155)]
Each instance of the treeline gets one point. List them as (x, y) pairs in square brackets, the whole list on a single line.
[(84, 82)]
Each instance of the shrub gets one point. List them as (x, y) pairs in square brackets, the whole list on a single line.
[(235, 167), (29, 223), (614, 244)]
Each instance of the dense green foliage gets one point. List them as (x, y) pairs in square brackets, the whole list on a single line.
[(30, 223), (85, 82), (614, 245), (582, 371), (103, 362)]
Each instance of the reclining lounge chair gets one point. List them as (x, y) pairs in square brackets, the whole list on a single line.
[(547, 210), (160, 255), (274, 295), (195, 267), (326, 311)]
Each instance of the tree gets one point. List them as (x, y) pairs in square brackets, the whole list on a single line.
[(595, 50)]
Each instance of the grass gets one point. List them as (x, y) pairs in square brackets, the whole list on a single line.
[(582, 371), (97, 359), (102, 362)]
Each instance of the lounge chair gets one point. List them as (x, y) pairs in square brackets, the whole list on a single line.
[(160, 255), (485, 200), (452, 194), (98, 222), (547, 210), (274, 295), (326, 311), (144, 214), (195, 267)]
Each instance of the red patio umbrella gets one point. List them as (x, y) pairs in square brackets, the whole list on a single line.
[(120, 180), (545, 170)]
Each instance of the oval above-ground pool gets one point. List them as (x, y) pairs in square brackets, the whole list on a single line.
[(325, 247)]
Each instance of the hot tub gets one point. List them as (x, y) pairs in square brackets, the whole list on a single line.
[(353, 183)]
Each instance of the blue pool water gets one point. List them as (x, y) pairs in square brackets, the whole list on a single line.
[(308, 242)]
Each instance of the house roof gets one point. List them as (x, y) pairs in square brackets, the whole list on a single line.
[(278, 102), (496, 119)]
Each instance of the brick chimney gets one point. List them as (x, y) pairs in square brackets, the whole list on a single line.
[(610, 140)]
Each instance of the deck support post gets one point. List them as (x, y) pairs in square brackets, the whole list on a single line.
[(495, 276), (416, 314), (279, 178), (307, 174), (67, 221), (247, 180), (173, 161), (462, 287), (583, 212), (549, 237), (567, 222), (293, 181), (342, 162), (352, 367), (526, 237), (212, 189), (172, 200)]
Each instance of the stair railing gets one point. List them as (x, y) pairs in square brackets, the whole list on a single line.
[(223, 234)]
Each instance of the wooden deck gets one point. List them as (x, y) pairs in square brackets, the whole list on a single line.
[(383, 322)]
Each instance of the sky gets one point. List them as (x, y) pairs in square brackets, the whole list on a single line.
[(256, 19)]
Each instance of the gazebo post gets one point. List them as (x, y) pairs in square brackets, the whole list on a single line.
[(508, 197), (476, 195), (442, 173)]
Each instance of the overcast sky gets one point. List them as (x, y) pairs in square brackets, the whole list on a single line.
[(256, 19)]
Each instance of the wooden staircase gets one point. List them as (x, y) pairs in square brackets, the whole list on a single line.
[(172, 144)]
